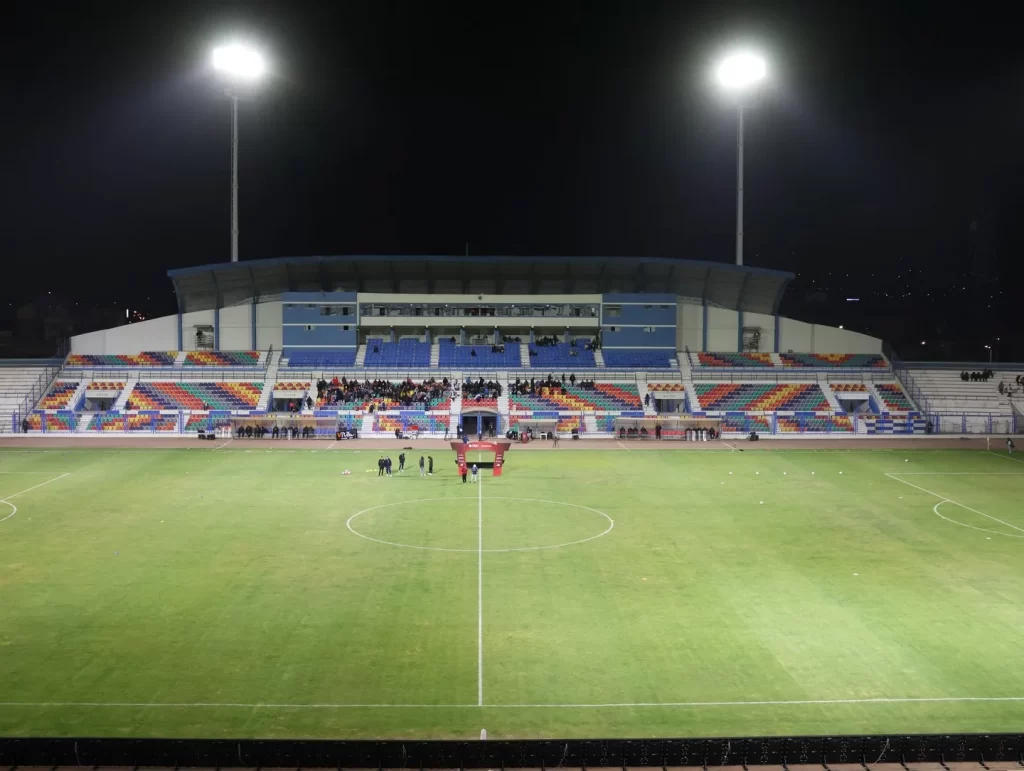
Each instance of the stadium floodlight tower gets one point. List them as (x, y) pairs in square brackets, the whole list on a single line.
[(739, 74), (240, 69)]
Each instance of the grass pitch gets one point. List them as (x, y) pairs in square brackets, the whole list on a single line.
[(221, 593)]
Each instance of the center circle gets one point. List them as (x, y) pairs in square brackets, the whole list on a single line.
[(453, 524)]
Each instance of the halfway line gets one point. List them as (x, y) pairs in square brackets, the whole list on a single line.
[(480, 591)]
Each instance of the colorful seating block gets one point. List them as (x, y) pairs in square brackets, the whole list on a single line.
[(222, 359), (846, 360), (59, 395), (760, 397), (221, 395), (144, 359), (849, 388), (604, 397), (744, 424), (291, 386), (893, 397), (105, 386), (735, 359), (53, 422)]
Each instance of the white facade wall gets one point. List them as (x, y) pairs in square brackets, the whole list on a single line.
[(766, 324), (722, 329), (236, 328), (689, 327), (160, 334), (269, 318)]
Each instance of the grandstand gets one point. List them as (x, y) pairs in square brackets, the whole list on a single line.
[(644, 348)]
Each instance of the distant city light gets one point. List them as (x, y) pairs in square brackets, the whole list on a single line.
[(853, 299), (840, 326), (923, 342)]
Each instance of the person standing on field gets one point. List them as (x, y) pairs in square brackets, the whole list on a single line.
[(401, 463), (1010, 445), (423, 470), (462, 471), (430, 465), (475, 470)]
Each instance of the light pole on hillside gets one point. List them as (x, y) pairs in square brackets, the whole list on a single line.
[(239, 69), (739, 74)]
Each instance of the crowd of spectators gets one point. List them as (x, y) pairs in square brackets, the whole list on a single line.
[(380, 392), (977, 377), (478, 389), (550, 340), (533, 386)]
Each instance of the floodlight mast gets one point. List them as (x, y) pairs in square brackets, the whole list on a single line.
[(239, 67), (739, 74)]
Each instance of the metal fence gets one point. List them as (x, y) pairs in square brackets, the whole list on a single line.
[(1003, 749)]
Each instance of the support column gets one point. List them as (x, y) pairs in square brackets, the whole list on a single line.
[(778, 333), (216, 327), (252, 320), (739, 331), (704, 327), (180, 330)]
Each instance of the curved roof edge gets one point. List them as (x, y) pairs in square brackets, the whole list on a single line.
[(738, 287)]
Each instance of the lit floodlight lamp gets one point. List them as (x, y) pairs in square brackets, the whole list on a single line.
[(741, 71), (239, 62)]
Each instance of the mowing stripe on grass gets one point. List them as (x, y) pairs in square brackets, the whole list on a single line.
[(608, 705)]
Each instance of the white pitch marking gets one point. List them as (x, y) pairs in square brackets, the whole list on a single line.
[(960, 473), (480, 591), (938, 513), (332, 444), (611, 526), (1005, 457), (229, 441), (620, 444), (14, 509), (962, 506), (731, 447), (608, 705)]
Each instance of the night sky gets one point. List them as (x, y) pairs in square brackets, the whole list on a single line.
[(888, 147)]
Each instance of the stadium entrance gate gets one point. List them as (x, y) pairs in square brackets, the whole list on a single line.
[(498, 448)]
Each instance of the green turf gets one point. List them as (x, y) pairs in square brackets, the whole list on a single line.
[(146, 584)]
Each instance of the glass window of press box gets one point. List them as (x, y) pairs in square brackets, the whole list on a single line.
[(450, 310)]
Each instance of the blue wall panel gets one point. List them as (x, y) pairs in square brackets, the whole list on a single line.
[(633, 297), (321, 335), (642, 314), (636, 337), (304, 314)]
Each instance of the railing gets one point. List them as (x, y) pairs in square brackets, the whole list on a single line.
[(786, 375), (37, 390), (602, 375), (170, 374), (911, 387), (973, 423)]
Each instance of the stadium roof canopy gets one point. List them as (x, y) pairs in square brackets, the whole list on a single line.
[(756, 290)]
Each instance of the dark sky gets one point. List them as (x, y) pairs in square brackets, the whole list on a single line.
[(890, 140)]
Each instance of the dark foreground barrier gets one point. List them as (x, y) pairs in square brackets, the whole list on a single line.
[(777, 751)]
